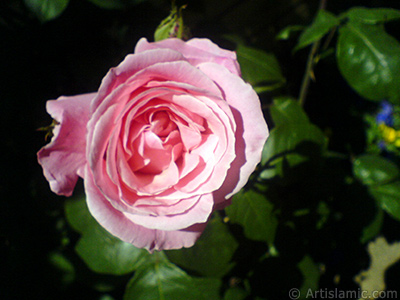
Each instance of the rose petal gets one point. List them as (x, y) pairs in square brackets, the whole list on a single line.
[(130, 66), (178, 71), (175, 220), (187, 163), (189, 135), (251, 133), (155, 153), (148, 184), (217, 146), (63, 159), (117, 224), (196, 51)]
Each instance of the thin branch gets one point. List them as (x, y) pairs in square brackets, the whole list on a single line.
[(310, 64), (329, 39)]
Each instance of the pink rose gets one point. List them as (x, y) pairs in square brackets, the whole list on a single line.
[(172, 133)]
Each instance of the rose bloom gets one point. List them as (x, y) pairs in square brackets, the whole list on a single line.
[(172, 133)]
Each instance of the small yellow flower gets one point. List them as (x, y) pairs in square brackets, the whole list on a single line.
[(390, 135)]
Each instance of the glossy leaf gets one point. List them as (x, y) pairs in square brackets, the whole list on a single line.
[(388, 197), (158, 279), (102, 252), (47, 10), (369, 59), (256, 214), (115, 4), (211, 255), (259, 68), (372, 15), (323, 23), (375, 170)]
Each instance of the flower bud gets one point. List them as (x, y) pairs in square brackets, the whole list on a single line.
[(172, 26)]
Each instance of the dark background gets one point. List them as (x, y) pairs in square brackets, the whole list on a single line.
[(71, 54)]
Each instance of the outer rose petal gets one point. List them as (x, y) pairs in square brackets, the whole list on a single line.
[(252, 130), (129, 66), (198, 213), (120, 226), (230, 59), (63, 159), (196, 51)]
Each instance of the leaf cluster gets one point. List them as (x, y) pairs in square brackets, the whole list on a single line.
[(367, 56)]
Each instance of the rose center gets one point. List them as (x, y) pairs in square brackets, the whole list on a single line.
[(157, 145)]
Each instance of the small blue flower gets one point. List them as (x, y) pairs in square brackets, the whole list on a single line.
[(385, 115)]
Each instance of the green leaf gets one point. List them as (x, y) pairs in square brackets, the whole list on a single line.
[(106, 254), (159, 279), (388, 197), (235, 293), (106, 297), (323, 22), (292, 143), (286, 110), (64, 266), (102, 252), (288, 140), (323, 212), (115, 4), (259, 68), (369, 59), (78, 215), (255, 213), (47, 10), (372, 15), (209, 287), (211, 255), (311, 275), (375, 170), (382, 177), (287, 32), (372, 230)]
